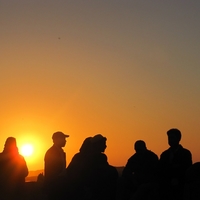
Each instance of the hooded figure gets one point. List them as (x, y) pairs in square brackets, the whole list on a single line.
[(77, 172)]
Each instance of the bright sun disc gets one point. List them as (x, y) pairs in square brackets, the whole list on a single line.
[(26, 150)]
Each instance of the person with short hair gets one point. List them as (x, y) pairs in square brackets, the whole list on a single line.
[(140, 168), (173, 164)]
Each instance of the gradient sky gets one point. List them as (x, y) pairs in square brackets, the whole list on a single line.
[(126, 69)]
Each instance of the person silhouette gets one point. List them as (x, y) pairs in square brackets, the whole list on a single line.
[(173, 164), (192, 182), (13, 170), (140, 169), (103, 176), (77, 172), (55, 166)]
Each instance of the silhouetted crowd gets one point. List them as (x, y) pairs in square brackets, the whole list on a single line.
[(89, 176)]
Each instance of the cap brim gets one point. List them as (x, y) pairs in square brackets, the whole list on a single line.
[(66, 135)]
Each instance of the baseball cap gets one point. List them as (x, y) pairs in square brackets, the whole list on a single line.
[(59, 134)]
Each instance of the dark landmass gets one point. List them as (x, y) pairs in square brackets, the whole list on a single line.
[(32, 175)]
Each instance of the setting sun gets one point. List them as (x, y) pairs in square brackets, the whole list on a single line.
[(26, 150)]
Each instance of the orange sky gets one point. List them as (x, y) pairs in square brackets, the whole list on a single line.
[(128, 70)]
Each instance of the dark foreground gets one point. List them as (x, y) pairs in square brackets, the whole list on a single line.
[(34, 191)]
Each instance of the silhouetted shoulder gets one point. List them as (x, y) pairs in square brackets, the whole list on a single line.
[(77, 161), (180, 151), (51, 150), (99, 159), (187, 151), (193, 172), (152, 154)]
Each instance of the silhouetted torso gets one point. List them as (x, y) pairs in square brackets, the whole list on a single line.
[(13, 170), (191, 189), (172, 167), (103, 176), (139, 171), (55, 166), (55, 163), (175, 163), (77, 172), (142, 167)]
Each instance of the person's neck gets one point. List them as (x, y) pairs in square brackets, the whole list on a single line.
[(58, 146), (175, 148)]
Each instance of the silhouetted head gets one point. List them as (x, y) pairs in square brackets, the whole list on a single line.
[(174, 137), (140, 146), (59, 138), (10, 145), (99, 143), (86, 146)]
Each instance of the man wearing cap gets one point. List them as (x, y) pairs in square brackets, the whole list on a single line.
[(173, 165), (55, 163)]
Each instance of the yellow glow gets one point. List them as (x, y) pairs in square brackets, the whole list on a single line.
[(27, 150), (39, 142)]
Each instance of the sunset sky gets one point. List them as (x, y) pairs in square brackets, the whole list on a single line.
[(128, 69)]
